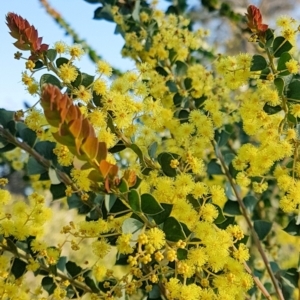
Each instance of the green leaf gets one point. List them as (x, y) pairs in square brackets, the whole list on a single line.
[(45, 148), (123, 186), (162, 216), (51, 54), (258, 63), (103, 13), (138, 152), (222, 137), (18, 267), (28, 136), (77, 82), (87, 79), (58, 191), (271, 110), (183, 116), (134, 200), (291, 276), (269, 37), (38, 65), (173, 230), (232, 208), (152, 149), (181, 68), (75, 202), (284, 57), (161, 71), (220, 219), (182, 254), (164, 159), (281, 45), (279, 83), (48, 284), (262, 228), (61, 264), (150, 205), (293, 91), (250, 203), (7, 147), (91, 284), (61, 60), (73, 269), (188, 83), (213, 168), (155, 293), (177, 99), (132, 226), (6, 116), (115, 206), (293, 228), (34, 167), (172, 86)]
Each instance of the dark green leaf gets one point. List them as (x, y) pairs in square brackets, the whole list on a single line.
[(213, 168), (220, 219), (182, 254), (75, 202), (138, 152), (45, 148), (155, 293), (28, 136), (150, 205), (51, 54), (7, 147), (117, 206), (188, 83), (269, 37), (134, 200), (271, 110), (164, 159), (281, 45), (123, 186), (58, 191), (226, 223), (6, 116), (283, 59), (250, 203), (48, 284), (12, 246), (34, 167), (38, 64), (293, 91), (181, 68), (77, 82), (91, 284), (262, 228), (162, 216), (18, 267), (177, 99), (172, 86), (291, 276), (61, 60), (103, 13), (118, 147), (183, 116), (173, 230), (279, 83), (232, 208), (73, 269), (293, 228), (258, 63), (87, 79), (161, 71), (222, 137)]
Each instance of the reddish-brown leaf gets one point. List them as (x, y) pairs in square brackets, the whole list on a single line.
[(255, 20)]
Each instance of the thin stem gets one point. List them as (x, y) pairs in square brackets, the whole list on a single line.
[(249, 223)]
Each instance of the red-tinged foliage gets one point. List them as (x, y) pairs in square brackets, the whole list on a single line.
[(74, 130), (255, 20), (26, 34)]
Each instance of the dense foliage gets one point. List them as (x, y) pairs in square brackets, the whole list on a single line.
[(184, 171)]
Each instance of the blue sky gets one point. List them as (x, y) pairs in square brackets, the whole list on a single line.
[(78, 13)]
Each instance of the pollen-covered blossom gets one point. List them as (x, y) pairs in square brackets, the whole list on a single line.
[(100, 248), (67, 73), (83, 93), (293, 66), (64, 156), (208, 212), (60, 47), (104, 68), (156, 237), (76, 51), (123, 243), (99, 271)]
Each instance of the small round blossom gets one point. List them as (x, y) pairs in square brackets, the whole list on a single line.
[(60, 47), (292, 66), (67, 73), (76, 51), (104, 68)]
